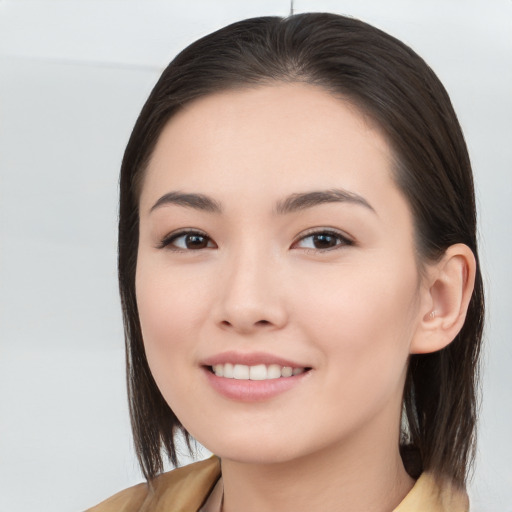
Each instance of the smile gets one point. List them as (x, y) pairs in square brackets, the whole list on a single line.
[(256, 372)]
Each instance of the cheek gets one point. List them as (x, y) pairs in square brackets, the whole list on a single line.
[(171, 307), (363, 322), (169, 301)]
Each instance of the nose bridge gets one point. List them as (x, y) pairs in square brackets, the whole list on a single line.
[(251, 296)]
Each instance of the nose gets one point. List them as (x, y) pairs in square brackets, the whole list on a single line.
[(251, 298)]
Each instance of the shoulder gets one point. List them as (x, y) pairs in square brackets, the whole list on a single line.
[(434, 495), (185, 488), (129, 500)]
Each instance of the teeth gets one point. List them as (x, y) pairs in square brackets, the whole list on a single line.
[(241, 372), (228, 371), (257, 372), (273, 371)]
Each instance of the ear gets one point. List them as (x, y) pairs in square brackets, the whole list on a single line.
[(446, 292)]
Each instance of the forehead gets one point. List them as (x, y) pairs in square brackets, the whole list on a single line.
[(287, 136)]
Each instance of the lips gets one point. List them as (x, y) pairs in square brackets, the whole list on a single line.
[(254, 376), (250, 359)]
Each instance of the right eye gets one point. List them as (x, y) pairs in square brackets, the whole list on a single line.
[(187, 241)]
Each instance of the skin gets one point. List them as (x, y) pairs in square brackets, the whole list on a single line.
[(352, 313)]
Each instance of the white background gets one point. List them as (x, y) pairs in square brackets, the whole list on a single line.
[(73, 77)]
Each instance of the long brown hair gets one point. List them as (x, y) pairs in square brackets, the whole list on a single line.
[(395, 88)]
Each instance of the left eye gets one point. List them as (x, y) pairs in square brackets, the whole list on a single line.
[(323, 240), (187, 241)]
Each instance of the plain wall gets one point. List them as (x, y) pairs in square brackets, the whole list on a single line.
[(73, 77)]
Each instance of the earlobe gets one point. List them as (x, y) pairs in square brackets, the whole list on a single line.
[(447, 292)]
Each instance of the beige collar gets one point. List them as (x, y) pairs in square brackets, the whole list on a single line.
[(425, 495)]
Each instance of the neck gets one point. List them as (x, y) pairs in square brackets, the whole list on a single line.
[(351, 477)]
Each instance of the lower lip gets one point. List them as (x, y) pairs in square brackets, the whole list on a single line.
[(252, 390)]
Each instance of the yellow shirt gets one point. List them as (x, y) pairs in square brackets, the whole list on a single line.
[(187, 489)]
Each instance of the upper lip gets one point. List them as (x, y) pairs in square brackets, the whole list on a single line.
[(250, 359)]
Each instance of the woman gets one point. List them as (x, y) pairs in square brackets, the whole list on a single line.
[(299, 275)]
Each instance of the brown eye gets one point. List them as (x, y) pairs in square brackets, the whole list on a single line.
[(323, 241), (195, 241), (187, 241)]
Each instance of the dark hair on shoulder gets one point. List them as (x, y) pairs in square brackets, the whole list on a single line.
[(391, 85)]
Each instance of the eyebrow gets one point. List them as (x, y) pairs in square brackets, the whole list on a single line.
[(293, 203), (196, 201), (301, 201)]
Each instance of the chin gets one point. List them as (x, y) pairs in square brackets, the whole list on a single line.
[(256, 455), (258, 449)]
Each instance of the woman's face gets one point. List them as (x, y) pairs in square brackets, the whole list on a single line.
[(273, 241)]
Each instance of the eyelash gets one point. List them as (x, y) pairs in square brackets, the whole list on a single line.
[(169, 239), (343, 240)]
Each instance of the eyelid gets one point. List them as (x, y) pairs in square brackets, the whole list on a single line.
[(346, 240), (167, 240)]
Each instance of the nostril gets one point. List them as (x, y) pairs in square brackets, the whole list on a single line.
[(245, 327)]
